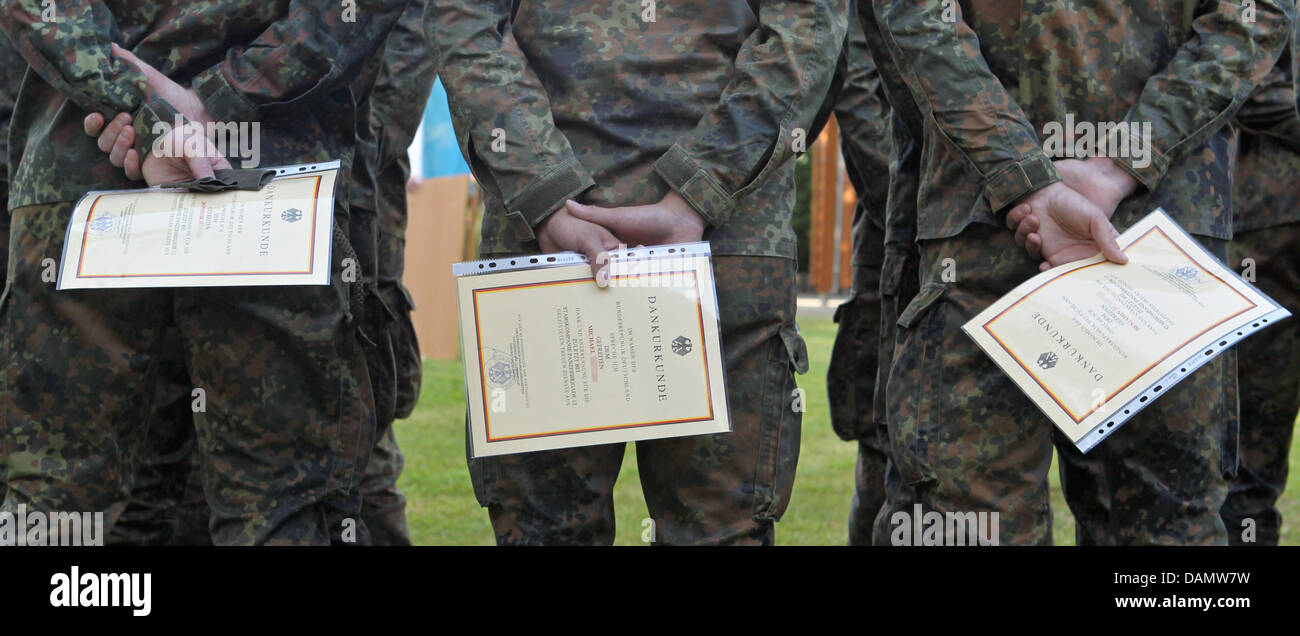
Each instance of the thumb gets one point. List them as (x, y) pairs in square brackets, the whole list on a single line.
[(200, 167), (1105, 235), (596, 246)]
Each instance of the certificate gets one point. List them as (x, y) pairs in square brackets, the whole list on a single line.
[(1092, 342), (553, 361), (279, 235)]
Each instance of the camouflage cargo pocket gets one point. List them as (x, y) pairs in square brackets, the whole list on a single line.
[(406, 352), (781, 426), (915, 388)]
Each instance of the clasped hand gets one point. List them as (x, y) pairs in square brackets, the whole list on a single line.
[(1070, 219)]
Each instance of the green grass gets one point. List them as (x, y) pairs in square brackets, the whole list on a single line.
[(442, 509)]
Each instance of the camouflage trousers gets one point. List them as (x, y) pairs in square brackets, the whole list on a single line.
[(1268, 377), (167, 505), (285, 427), (964, 439), (722, 489), (1268, 372), (850, 389)]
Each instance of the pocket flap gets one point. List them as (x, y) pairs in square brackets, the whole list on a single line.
[(795, 349), (929, 295)]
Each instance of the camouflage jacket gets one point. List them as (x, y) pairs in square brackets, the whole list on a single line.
[(863, 117), (1001, 89), (285, 64), (13, 67), (1267, 189), (617, 102), (396, 104)]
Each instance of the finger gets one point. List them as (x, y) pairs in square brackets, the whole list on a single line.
[(200, 167), (1034, 246), (92, 124), (1044, 266), (220, 163), (1015, 216), (1105, 235), (1028, 225), (124, 143), (108, 136), (596, 214), (131, 164), (598, 257)]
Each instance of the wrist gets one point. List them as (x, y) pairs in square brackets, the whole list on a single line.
[(1115, 176)]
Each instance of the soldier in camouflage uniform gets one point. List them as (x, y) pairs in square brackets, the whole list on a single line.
[(863, 118), (396, 105), (1267, 231), (167, 504), (281, 366), (1266, 224), (677, 119), (963, 438), (14, 69)]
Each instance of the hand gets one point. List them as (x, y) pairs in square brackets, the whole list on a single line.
[(191, 155), (184, 153), (671, 220), (1059, 225), (158, 85), (1099, 180), (561, 232), (118, 138)]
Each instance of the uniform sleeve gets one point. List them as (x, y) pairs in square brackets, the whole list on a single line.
[(1209, 78), (1273, 109), (959, 94), (502, 114), (863, 117), (317, 47), (780, 76), (73, 53)]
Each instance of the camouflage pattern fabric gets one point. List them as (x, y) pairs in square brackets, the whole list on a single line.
[(723, 489), (863, 118), (574, 96), (962, 437), (1268, 370), (166, 507), (168, 460), (15, 68), (1183, 66), (1265, 201), (80, 365)]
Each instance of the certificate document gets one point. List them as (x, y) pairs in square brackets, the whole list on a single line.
[(279, 235), (1092, 342), (553, 361)]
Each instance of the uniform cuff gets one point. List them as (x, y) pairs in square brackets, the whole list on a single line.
[(154, 119), (1151, 172), (544, 196), (221, 99), (1004, 187), (696, 185)]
